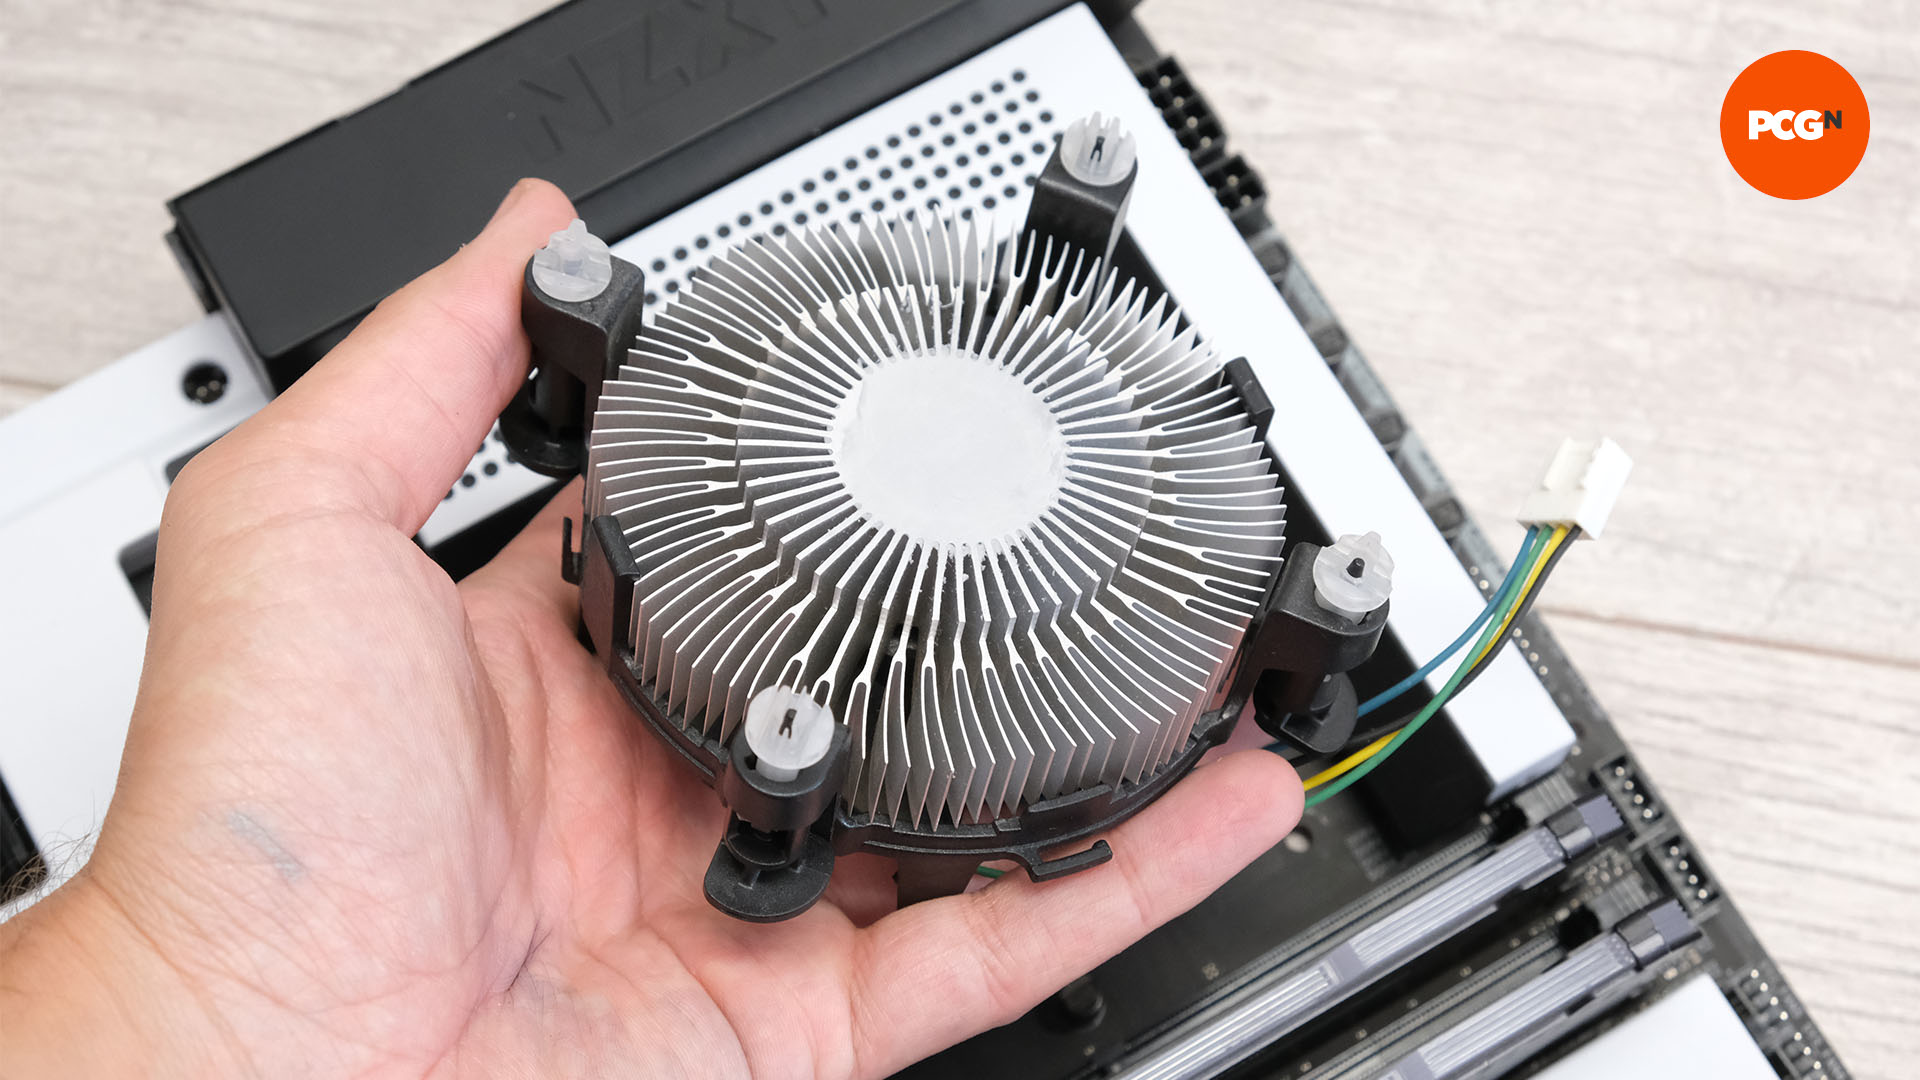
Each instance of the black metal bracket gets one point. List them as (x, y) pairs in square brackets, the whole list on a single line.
[(1294, 661), (1070, 210), (939, 862), (776, 856), (572, 560), (1238, 374), (577, 346), (932, 862)]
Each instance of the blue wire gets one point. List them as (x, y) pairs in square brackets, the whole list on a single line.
[(1520, 562)]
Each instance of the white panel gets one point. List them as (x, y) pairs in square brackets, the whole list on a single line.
[(1508, 720), (132, 408), (1691, 1034), (82, 476), (70, 659)]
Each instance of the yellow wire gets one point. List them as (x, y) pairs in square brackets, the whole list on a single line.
[(1539, 566), (1348, 764), (1359, 757)]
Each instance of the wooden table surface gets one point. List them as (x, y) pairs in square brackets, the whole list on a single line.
[(1522, 214)]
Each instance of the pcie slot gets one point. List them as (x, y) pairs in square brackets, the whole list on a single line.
[(1268, 1008)]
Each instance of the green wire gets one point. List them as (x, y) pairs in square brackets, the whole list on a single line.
[(1509, 598), (1494, 625), (989, 872)]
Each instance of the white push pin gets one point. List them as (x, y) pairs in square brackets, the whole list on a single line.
[(1353, 575), (575, 265), (787, 732), (1096, 151)]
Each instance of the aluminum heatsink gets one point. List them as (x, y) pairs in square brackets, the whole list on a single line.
[(991, 506)]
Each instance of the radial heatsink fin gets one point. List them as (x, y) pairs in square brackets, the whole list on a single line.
[(993, 507)]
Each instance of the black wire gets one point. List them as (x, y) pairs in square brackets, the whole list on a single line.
[(1519, 613)]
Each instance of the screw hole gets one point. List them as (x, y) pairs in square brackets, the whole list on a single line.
[(205, 383)]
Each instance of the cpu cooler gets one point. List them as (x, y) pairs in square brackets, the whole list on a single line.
[(921, 541)]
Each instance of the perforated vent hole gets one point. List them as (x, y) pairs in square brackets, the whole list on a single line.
[(978, 151)]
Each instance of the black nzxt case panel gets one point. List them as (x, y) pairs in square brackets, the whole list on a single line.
[(633, 108)]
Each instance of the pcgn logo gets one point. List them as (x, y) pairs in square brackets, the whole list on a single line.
[(1787, 124), (1794, 125)]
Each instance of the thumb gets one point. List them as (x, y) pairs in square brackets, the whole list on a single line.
[(387, 421)]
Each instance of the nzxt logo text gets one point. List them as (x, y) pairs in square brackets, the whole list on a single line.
[(1787, 124), (666, 50)]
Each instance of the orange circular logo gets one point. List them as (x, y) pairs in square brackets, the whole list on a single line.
[(1794, 124)]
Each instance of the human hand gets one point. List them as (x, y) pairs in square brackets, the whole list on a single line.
[(372, 822)]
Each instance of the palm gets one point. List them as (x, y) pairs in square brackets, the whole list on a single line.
[(415, 826)]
